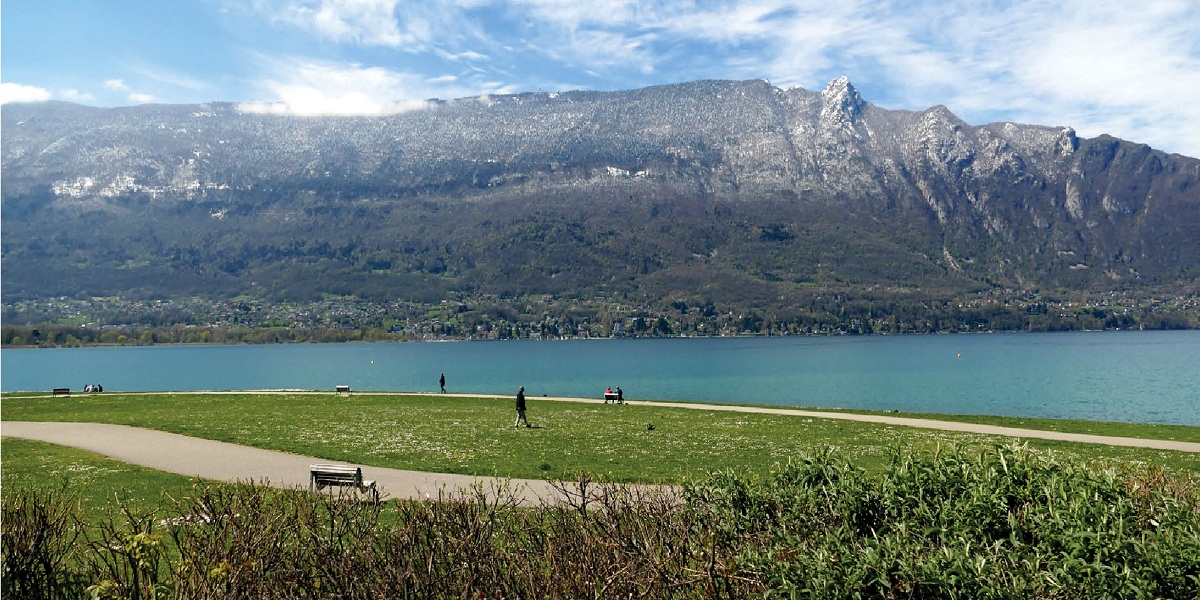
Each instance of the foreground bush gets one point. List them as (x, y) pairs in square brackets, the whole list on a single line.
[(1003, 524), (39, 546)]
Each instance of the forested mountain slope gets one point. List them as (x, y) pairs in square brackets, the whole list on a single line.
[(735, 194)]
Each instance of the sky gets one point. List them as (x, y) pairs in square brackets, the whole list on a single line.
[(1126, 68)]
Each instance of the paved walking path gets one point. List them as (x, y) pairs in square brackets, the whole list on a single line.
[(1017, 432), (223, 461)]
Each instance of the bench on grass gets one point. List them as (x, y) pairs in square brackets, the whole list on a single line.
[(323, 476), (342, 390), (62, 391)]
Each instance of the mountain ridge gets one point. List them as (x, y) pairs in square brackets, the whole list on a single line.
[(735, 192)]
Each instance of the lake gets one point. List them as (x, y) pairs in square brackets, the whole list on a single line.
[(1146, 377)]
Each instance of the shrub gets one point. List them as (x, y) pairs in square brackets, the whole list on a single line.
[(40, 538), (1004, 523)]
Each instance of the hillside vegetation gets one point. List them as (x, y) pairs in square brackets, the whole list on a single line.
[(725, 198)]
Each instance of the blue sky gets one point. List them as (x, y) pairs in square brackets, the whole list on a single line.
[(1126, 68)]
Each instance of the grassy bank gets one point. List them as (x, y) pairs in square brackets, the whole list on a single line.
[(475, 435), (97, 484)]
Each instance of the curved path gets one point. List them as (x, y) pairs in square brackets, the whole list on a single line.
[(1017, 432), (223, 461)]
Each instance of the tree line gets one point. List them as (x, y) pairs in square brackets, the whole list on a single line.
[(539, 319)]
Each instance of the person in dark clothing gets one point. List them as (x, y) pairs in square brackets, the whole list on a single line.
[(442, 382), (521, 408), (620, 396)]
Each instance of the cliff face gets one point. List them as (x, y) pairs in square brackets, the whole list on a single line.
[(659, 191)]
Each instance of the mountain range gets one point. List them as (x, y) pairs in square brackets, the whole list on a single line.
[(734, 194)]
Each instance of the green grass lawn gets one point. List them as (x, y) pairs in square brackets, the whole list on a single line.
[(94, 481), (475, 435)]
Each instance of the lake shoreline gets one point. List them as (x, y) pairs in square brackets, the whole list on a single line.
[(448, 340), (1148, 377)]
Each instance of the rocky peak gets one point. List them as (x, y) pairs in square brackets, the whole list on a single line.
[(840, 107), (1066, 142), (841, 97)]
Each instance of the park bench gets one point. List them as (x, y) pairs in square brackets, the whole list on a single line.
[(323, 476), (342, 390), (62, 391)]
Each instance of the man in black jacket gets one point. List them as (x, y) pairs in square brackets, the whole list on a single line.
[(521, 408)]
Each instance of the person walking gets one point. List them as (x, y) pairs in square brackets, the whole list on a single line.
[(442, 382), (521, 408)]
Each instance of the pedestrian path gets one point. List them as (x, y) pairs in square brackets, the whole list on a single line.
[(222, 461), (1016, 432)]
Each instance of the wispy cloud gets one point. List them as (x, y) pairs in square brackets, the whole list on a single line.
[(573, 15), (166, 76), (409, 26), (360, 21), (130, 95), (1113, 68), (317, 88), (73, 95), (16, 92)]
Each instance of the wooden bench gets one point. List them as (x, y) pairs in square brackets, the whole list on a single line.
[(62, 391), (342, 390), (323, 476)]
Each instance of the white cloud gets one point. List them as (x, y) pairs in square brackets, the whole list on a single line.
[(469, 55), (409, 26), (16, 92), (613, 50), (740, 22), (314, 88), (363, 21), (1130, 70), (599, 37), (574, 15), (73, 95), (135, 97), (171, 78)]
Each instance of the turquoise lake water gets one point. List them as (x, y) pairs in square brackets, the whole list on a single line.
[(1147, 377)]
